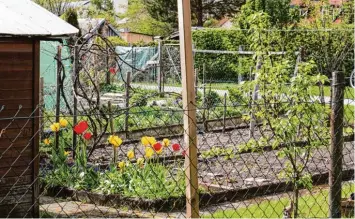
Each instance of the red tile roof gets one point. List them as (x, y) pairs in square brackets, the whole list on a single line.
[(331, 2), (336, 2)]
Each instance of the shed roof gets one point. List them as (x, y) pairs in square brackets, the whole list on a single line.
[(26, 18)]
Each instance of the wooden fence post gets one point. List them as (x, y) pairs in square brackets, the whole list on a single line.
[(336, 146), (109, 106), (75, 78), (128, 86), (107, 60), (59, 86), (189, 106)]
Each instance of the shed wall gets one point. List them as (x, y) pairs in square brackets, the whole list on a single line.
[(19, 125)]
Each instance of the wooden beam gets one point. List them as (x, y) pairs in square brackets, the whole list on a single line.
[(188, 94), (36, 128)]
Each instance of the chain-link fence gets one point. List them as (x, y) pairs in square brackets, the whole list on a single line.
[(266, 148)]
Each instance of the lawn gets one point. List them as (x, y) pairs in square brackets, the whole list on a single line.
[(310, 206), (349, 91)]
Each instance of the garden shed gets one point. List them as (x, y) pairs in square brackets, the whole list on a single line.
[(23, 24)]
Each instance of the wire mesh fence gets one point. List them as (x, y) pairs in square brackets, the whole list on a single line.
[(265, 146)]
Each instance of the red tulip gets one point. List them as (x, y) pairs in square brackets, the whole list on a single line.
[(81, 127), (176, 147), (183, 153), (87, 136), (157, 146), (112, 70)]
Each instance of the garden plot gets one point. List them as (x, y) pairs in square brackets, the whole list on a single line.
[(224, 174)]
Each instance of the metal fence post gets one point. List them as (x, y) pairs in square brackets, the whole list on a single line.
[(224, 112), (41, 103), (128, 86), (188, 95), (59, 86), (159, 67), (254, 99), (336, 146)]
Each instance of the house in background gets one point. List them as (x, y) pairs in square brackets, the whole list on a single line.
[(134, 37), (333, 8), (225, 23), (92, 26)]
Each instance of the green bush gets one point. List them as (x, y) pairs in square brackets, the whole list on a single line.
[(212, 99), (152, 180), (112, 88)]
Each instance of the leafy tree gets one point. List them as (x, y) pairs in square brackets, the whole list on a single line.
[(57, 7), (280, 12), (166, 10), (71, 17), (139, 20), (102, 5), (286, 109)]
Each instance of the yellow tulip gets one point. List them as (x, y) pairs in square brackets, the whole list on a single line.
[(63, 123), (140, 161), (149, 152), (66, 153), (115, 141), (55, 127), (146, 141), (130, 154), (151, 140), (46, 141), (122, 165), (166, 142)]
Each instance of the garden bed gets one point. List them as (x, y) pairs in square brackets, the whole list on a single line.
[(179, 203)]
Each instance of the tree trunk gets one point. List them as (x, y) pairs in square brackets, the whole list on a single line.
[(295, 199), (199, 13)]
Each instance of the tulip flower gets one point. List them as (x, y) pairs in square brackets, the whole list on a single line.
[(176, 147), (63, 123), (112, 70), (160, 151), (130, 154), (146, 141), (149, 152), (166, 142), (87, 136), (55, 127), (157, 146), (46, 141), (66, 153), (140, 161), (81, 127), (183, 153), (115, 141), (122, 165)]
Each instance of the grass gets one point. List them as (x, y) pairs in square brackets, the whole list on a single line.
[(349, 92), (310, 206)]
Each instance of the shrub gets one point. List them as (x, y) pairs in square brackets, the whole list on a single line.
[(212, 99)]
